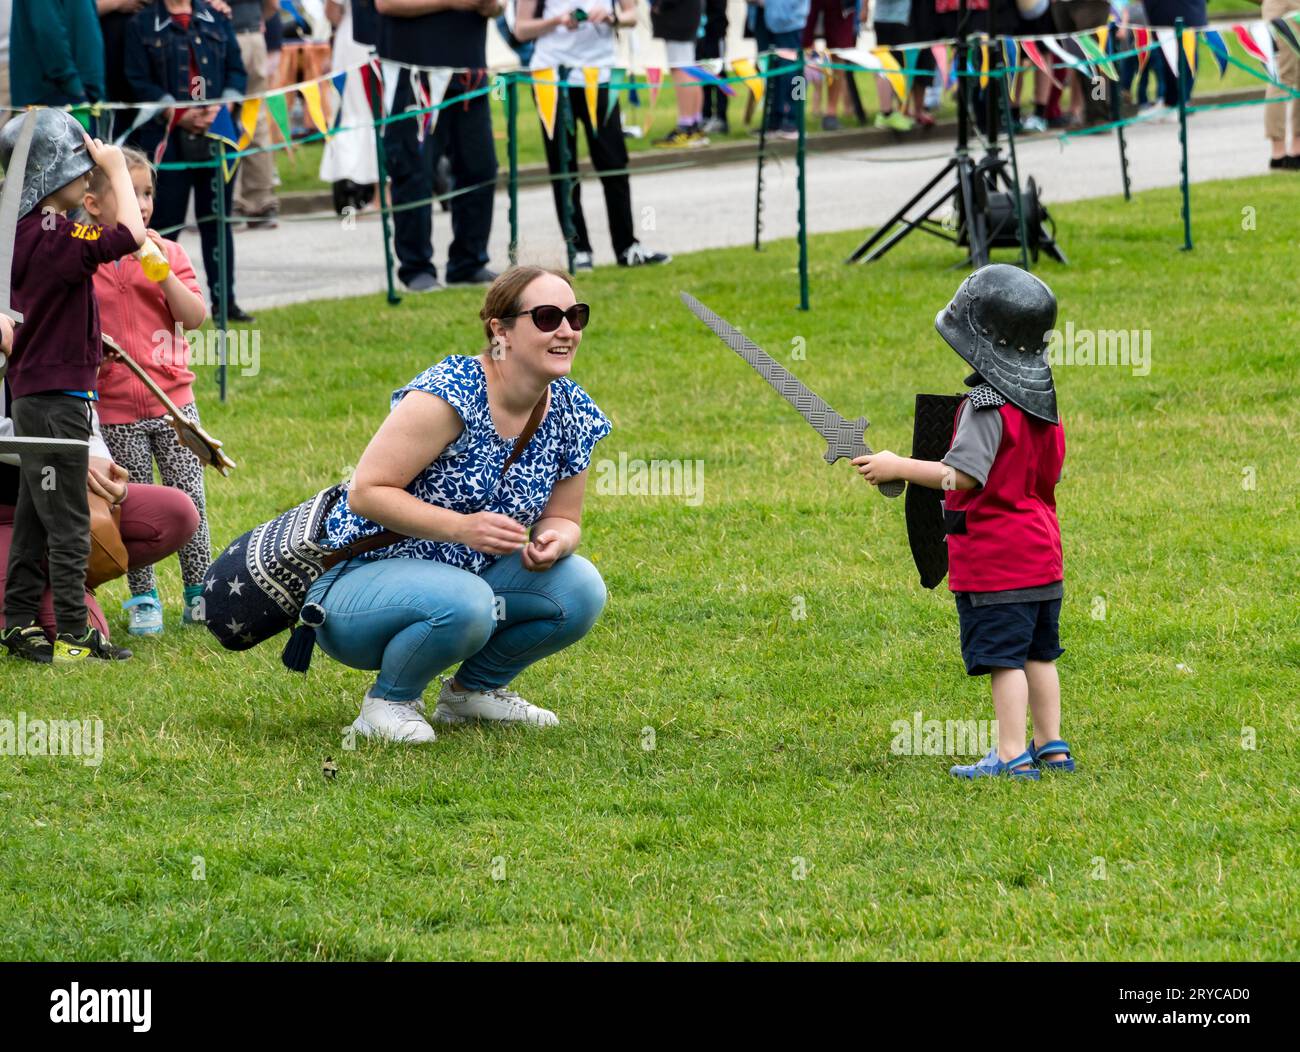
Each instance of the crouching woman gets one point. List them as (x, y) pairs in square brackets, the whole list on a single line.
[(486, 577)]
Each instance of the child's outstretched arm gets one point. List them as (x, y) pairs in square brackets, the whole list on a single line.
[(934, 474), (112, 161), (186, 305)]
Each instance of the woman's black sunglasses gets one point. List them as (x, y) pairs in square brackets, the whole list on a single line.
[(547, 318)]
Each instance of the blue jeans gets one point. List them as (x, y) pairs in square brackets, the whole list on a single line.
[(781, 115), (413, 618)]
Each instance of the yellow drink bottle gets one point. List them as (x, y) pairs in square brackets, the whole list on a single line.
[(153, 262)]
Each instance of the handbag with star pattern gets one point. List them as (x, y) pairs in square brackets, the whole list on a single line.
[(256, 588)]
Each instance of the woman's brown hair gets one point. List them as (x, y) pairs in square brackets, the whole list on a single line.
[(505, 296)]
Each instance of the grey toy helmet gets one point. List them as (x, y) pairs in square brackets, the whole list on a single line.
[(58, 154), (1000, 320)]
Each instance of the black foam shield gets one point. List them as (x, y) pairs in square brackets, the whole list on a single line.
[(923, 507)]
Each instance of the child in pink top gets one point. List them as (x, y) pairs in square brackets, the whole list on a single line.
[(149, 319)]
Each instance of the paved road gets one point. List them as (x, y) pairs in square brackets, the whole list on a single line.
[(688, 210)]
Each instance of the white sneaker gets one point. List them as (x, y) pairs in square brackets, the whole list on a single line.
[(393, 721), (498, 705)]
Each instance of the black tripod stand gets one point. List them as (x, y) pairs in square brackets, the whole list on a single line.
[(990, 209)]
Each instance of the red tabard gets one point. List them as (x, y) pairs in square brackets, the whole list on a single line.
[(1011, 538)]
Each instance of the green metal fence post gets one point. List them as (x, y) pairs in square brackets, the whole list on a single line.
[(1184, 77)]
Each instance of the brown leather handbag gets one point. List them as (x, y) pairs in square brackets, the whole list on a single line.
[(108, 559)]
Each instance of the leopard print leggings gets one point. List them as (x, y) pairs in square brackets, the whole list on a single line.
[(136, 446)]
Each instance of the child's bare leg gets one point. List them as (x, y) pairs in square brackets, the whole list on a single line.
[(1010, 700), (1045, 703)]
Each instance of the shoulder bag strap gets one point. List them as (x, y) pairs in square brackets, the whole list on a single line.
[(387, 537)]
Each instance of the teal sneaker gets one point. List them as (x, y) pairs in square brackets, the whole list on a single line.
[(193, 613), (992, 767), (145, 614)]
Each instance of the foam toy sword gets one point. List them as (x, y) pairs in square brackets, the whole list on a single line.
[(844, 438)]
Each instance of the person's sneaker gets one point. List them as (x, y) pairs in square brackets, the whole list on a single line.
[(831, 123), (583, 261), (29, 643), (144, 615), (393, 721), (677, 139), (637, 256), (1033, 125), (895, 121), (697, 137), (268, 220), (924, 119), (482, 276), (71, 649), (192, 613), (422, 283), (715, 126), (993, 767), (498, 705)]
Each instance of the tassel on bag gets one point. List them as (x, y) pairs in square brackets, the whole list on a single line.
[(302, 640)]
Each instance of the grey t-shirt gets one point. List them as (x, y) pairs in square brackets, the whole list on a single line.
[(974, 447)]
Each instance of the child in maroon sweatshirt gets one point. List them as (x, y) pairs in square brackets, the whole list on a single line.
[(1004, 542), (52, 378)]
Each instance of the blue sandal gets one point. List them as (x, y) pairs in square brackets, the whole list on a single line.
[(992, 767), (1052, 747)]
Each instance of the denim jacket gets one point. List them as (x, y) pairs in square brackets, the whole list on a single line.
[(158, 55)]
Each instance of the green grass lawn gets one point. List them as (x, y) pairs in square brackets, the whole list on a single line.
[(771, 755)]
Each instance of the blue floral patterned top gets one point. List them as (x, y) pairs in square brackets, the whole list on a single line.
[(466, 477)]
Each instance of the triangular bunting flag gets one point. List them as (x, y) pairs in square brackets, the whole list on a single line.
[(546, 95), (1036, 57), (279, 111), (940, 53), (703, 75), (616, 76), (910, 57), (591, 90), (389, 72), (1286, 34), (1263, 41), (223, 130), (1189, 49), (1096, 54), (248, 114), (892, 71), (1218, 49), (1056, 48), (745, 67), (1010, 53), (1141, 38), (654, 77), (310, 93), (1168, 46)]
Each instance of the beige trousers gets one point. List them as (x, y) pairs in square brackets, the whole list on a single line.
[(1288, 72), (255, 183)]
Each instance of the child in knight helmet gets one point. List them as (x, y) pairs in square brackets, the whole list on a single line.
[(1004, 541), (149, 320), (52, 377)]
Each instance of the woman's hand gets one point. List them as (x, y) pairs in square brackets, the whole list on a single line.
[(542, 552), (110, 486), (491, 534)]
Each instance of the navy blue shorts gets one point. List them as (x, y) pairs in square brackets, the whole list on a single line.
[(1006, 635)]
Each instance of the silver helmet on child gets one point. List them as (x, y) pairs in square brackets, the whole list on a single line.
[(58, 154), (1000, 320)]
